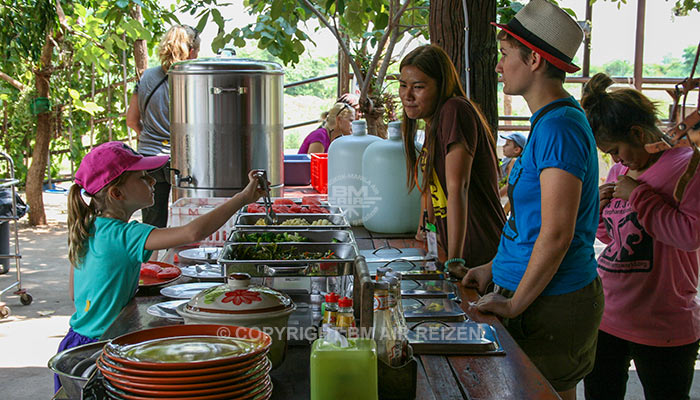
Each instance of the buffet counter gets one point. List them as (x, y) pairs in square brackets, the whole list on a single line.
[(508, 376)]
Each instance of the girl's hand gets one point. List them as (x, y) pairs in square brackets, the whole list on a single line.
[(606, 194), (252, 192), (478, 277), (624, 187), (497, 304)]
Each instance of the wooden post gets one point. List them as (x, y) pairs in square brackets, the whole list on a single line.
[(639, 45)]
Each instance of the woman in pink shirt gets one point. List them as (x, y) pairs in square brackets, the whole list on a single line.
[(649, 268)]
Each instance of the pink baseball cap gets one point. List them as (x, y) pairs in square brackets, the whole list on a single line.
[(107, 161)]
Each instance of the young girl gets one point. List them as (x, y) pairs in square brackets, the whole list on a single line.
[(106, 250), (650, 266)]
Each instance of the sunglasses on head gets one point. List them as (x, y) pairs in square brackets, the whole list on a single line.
[(196, 32)]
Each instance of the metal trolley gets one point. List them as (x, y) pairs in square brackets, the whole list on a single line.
[(24, 297)]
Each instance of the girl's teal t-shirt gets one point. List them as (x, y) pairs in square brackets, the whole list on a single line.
[(108, 277)]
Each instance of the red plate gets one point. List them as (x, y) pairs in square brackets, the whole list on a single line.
[(166, 376), (117, 348), (176, 391), (190, 381), (152, 281), (261, 391)]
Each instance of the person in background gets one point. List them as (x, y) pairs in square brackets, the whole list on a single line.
[(546, 286), (148, 113), (515, 143), (337, 122), (106, 250), (649, 268), (458, 161)]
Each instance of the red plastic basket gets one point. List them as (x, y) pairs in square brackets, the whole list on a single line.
[(319, 172)]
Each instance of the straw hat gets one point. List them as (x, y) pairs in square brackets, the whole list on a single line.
[(547, 30)]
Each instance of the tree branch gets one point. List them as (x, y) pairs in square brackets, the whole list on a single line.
[(382, 42), (17, 84), (387, 59), (343, 46), (64, 24)]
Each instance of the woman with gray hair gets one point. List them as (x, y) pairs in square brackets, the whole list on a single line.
[(149, 113), (337, 122)]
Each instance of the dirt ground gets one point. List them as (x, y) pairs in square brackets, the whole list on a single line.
[(30, 336)]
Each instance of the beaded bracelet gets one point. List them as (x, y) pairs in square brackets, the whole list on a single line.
[(451, 260)]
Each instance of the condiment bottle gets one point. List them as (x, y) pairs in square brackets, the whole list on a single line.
[(330, 313), (346, 318)]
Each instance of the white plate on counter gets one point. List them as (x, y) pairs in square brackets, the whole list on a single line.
[(186, 290), (200, 254), (166, 309)]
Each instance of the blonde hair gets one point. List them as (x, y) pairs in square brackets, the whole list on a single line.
[(338, 110), (81, 216), (176, 45)]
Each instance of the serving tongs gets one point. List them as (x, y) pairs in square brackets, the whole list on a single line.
[(270, 216)]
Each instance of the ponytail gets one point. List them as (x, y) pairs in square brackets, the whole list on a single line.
[(81, 215), (80, 218)]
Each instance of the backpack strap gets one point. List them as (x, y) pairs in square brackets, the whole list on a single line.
[(549, 107), (687, 175), (148, 99)]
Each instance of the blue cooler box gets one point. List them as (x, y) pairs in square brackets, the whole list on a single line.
[(297, 169)]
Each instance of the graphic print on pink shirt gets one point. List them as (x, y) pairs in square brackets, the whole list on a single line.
[(632, 249)]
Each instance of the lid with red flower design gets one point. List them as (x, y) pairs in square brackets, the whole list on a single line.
[(239, 296)]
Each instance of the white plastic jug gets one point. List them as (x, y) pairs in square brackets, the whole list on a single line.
[(395, 210), (345, 176)]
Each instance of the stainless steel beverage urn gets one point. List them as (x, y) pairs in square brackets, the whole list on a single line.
[(226, 118)]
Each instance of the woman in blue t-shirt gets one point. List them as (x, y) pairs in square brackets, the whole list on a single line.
[(547, 288)]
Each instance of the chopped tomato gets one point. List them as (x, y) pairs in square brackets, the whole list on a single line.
[(288, 202)]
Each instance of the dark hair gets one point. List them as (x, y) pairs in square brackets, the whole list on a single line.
[(613, 114), (434, 62), (550, 70)]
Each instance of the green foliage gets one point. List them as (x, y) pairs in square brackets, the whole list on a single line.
[(90, 48)]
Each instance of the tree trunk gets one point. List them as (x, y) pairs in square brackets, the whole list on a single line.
[(447, 31), (375, 122), (140, 47), (40, 155)]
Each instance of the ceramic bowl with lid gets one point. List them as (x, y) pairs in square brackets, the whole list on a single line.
[(240, 303)]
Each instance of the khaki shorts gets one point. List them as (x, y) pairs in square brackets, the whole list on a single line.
[(559, 333)]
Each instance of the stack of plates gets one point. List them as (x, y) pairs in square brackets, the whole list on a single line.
[(188, 362)]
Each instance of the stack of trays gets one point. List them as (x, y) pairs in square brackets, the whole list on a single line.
[(188, 361)]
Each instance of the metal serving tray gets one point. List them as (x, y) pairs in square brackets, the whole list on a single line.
[(425, 289), (331, 210), (296, 200), (314, 236), (432, 309), (335, 267), (247, 221), (432, 337), (409, 269)]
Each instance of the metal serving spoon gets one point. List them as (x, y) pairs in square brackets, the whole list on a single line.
[(270, 215)]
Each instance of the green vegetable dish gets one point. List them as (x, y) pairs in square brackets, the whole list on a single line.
[(272, 252), (271, 237)]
